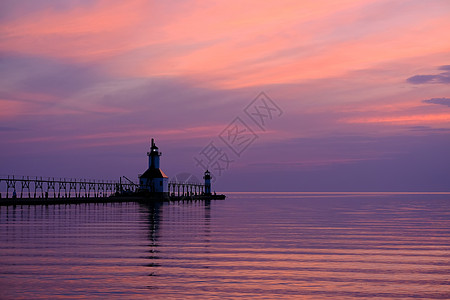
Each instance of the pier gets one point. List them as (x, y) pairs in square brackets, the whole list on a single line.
[(154, 185), (15, 190), (185, 188), (41, 187)]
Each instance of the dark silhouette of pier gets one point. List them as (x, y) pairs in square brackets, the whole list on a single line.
[(41, 187), (42, 190), (153, 186)]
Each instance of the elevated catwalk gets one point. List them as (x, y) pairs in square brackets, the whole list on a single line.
[(39, 190)]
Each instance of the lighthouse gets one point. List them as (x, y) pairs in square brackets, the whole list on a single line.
[(154, 181), (207, 178)]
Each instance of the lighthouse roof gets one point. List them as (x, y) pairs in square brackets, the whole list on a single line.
[(153, 173)]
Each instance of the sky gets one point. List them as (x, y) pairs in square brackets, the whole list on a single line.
[(269, 95)]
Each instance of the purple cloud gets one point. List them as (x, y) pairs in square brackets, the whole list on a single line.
[(428, 129), (47, 76), (7, 128), (442, 101), (12, 9), (443, 78)]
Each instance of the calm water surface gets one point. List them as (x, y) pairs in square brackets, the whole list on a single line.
[(266, 245)]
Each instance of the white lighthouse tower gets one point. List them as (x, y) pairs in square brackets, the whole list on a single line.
[(154, 181)]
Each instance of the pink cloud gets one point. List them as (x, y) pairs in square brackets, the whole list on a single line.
[(442, 118), (126, 136), (83, 33), (10, 108), (231, 46)]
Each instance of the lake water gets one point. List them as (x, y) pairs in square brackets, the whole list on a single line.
[(252, 245)]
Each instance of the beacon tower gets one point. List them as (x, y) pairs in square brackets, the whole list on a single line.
[(154, 181)]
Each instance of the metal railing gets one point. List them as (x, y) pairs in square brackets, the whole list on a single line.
[(41, 187)]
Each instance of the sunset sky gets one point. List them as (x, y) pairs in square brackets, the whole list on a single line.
[(357, 92)]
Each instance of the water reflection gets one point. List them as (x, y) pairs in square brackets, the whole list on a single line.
[(152, 213), (178, 223)]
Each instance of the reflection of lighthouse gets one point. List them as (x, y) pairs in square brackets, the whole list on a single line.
[(207, 178), (154, 180)]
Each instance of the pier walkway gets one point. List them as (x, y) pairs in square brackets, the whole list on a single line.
[(40, 190)]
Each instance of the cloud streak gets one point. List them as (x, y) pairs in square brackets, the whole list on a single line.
[(441, 78), (441, 101)]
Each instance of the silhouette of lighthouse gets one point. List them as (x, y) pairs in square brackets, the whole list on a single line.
[(154, 180)]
